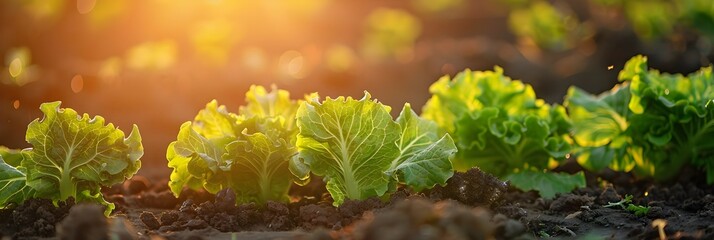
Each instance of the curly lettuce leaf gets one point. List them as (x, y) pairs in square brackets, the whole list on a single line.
[(351, 143), (277, 102), (74, 156), (261, 168), (13, 157), (202, 159), (673, 120), (424, 157), (499, 124), (600, 128), (12, 185), (252, 153), (667, 123)]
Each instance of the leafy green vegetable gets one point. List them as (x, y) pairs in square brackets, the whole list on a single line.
[(253, 153), (72, 156), (423, 159), (501, 127), (11, 156), (600, 126), (12, 185), (360, 151), (547, 184), (653, 124)]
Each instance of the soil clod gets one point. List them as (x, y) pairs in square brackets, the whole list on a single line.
[(149, 220)]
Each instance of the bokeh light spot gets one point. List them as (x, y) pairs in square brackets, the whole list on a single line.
[(77, 83), (291, 63), (85, 6), (16, 104), (254, 58), (15, 68)]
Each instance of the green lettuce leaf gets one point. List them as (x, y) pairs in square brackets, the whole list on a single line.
[(362, 152), (351, 143), (424, 157), (74, 156), (600, 129), (499, 124), (261, 167), (653, 124), (252, 153), (12, 185), (673, 119), (13, 157), (547, 183)]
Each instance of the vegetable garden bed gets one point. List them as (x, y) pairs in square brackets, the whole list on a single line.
[(635, 162), (151, 210)]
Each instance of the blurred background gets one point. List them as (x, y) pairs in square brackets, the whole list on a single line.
[(155, 63)]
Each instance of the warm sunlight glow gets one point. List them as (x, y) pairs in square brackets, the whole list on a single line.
[(291, 63), (254, 58), (157, 55), (339, 58), (85, 6)]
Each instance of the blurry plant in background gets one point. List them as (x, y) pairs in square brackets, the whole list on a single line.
[(436, 5), (546, 25), (212, 40), (390, 33), (156, 55), (658, 18)]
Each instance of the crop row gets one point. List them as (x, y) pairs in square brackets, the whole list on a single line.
[(652, 124)]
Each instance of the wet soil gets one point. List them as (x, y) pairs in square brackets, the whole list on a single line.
[(473, 205)]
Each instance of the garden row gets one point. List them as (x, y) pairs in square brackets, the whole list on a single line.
[(652, 124)]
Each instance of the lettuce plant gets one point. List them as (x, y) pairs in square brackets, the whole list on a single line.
[(361, 152), (252, 152), (501, 127), (652, 124), (72, 156)]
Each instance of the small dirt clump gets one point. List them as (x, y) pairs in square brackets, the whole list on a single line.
[(473, 187), (33, 218), (149, 220)]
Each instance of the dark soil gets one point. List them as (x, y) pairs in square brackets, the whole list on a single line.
[(473, 205), (34, 218)]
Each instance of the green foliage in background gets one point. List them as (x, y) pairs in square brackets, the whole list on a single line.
[(390, 33)]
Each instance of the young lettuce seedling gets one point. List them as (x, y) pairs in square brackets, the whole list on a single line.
[(501, 127), (73, 156), (252, 152), (361, 152)]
